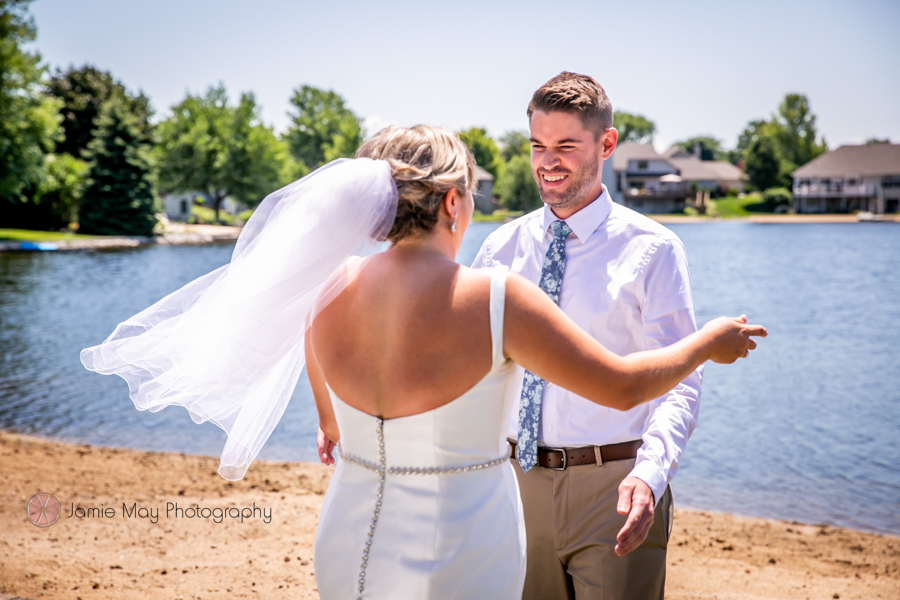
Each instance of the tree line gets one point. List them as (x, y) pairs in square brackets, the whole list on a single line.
[(77, 146), (767, 150)]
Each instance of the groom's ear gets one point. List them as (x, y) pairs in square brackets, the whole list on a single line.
[(608, 141)]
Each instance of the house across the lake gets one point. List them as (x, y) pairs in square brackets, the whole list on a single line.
[(719, 176), (178, 206), (850, 178), (484, 195), (642, 179)]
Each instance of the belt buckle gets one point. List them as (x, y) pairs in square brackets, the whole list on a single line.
[(565, 458)]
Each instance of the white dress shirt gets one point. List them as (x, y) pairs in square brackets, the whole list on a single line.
[(626, 283)]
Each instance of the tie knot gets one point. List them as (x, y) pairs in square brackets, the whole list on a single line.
[(560, 229)]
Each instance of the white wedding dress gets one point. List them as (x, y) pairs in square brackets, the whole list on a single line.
[(426, 506)]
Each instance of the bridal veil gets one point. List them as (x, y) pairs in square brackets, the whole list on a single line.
[(229, 346)]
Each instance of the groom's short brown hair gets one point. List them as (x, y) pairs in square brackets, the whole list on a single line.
[(577, 94)]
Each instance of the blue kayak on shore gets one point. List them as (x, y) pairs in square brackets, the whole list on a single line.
[(38, 246)]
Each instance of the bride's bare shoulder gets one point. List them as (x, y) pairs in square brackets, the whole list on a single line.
[(473, 285), (519, 290), (475, 277)]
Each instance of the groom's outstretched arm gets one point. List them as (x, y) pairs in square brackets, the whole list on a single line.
[(667, 313)]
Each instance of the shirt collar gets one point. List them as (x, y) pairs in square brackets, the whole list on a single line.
[(586, 221)]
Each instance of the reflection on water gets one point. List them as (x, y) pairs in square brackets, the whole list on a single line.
[(806, 429)]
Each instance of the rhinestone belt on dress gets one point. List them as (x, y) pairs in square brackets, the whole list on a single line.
[(382, 469)]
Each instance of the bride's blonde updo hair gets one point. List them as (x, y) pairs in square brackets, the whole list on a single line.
[(426, 162)]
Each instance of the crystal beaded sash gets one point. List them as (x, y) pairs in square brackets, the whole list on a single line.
[(423, 470)]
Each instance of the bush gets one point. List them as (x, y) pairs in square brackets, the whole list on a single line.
[(775, 197), (242, 217), (62, 187), (53, 203), (203, 215), (500, 215)]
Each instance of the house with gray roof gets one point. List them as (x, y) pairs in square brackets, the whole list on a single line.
[(850, 178), (718, 176), (642, 179)]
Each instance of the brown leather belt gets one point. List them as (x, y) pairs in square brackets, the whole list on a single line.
[(559, 459)]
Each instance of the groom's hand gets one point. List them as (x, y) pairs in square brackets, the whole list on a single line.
[(636, 501)]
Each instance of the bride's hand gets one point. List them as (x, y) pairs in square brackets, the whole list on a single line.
[(730, 338), (326, 446)]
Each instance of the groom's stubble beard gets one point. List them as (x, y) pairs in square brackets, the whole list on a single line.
[(582, 181)]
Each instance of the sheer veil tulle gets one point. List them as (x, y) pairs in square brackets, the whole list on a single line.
[(229, 346)]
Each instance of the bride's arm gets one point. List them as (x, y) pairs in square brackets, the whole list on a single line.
[(543, 339), (328, 428)]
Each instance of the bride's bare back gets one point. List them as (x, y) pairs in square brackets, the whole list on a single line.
[(410, 334)]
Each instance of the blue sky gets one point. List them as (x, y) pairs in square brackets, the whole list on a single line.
[(691, 67)]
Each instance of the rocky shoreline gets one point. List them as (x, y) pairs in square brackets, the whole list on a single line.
[(178, 235)]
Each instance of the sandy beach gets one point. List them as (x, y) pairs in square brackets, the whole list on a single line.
[(130, 528)]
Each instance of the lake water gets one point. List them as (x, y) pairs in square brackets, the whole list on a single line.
[(808, 428)]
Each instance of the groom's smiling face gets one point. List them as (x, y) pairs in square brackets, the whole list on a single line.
[(566, 160)]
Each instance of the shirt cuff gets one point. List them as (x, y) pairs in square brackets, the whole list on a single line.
[(655, 480)]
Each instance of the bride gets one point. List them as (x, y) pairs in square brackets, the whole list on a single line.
[(407, 353)]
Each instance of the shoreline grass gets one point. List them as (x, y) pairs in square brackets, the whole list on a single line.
[(30, 235), (498, 216)]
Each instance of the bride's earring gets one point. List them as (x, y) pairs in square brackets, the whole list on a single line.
[(453, 224)]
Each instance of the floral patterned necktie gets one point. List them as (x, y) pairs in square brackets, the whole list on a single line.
[(533, 386)]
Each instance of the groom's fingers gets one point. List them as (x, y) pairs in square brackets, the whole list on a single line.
[(633, 541), (628, 540), (757, 330), (624, 506)]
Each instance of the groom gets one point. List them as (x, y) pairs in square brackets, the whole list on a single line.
[(594, 481)]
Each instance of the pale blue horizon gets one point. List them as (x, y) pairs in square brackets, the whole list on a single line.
[(693, 68)]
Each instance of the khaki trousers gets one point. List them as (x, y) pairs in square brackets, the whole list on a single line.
[(571, 525)]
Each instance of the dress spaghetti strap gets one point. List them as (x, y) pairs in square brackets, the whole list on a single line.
[(498, 304)]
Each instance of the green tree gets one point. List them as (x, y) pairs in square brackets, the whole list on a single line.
[(762, 163), (83, 92), (752, 132), (209, 146), (791, 132), (484, 149), (29, 119), (515, 143), (57, 197), (795, 131), (516, 186), (322, 128), (120, 198), (633, 128), (710, 148)]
